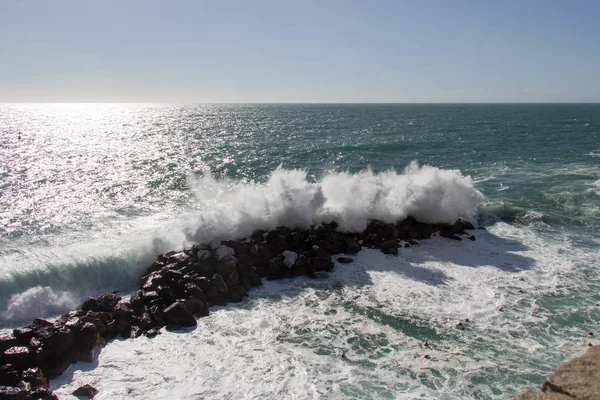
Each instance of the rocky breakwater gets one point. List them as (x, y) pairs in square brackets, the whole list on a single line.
[(181, 286)]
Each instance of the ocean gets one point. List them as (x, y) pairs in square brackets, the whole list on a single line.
[(90, 194)]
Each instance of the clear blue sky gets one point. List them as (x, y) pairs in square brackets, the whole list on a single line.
[(300, 51)]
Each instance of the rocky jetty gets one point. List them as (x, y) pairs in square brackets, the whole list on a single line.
[(181, 286), (578, 378)]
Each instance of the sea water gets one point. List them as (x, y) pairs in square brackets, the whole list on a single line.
[(91, 193)]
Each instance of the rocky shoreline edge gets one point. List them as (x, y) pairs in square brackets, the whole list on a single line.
[(578, 378), (181, 286)]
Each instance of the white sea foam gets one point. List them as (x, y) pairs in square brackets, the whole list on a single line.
[(38, 301), (236, 208)]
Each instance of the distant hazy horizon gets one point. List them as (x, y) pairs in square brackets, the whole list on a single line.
[(331, 51)]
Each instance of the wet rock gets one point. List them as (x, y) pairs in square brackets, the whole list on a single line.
[(13, 393), (86, 391), (197, 307), (193, 290), (122, 311), (218, 282), (389, 247), (179, 258), (472, 237), (178, 314), (9, 375), (351, 246), (322, 264), (289, 258), (345, 260), (137, 301), (237, 293), (90, 304), (6, 342), (18, 356), (43, 394), (143, 321), (107, 302), (226, 265), (23, 335), (35, 378)]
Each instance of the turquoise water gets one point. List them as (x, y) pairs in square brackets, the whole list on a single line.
[(90, 193)]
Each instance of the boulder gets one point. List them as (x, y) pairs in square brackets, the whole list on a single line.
[(351, 246), (107, 302), (179, 258), (178, 314), (6, 342), (18, 356), (322, 263), (344, 260), (90, 304), (9, 375), (86, 391), (35, 378), (13, 393), (122, 311), (218, 282), (289, 258), (389, 247), (43, 394), (226, 265)]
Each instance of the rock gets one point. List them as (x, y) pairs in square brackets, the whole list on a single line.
[(122, 311), (43, 394), (18, 356), (108, 301), (6, 342), (224, 251), (345, 260), (40, 323), (322, 263), (389, 247), (178, 314), (193, 290), (202, 254), (237, 293), (35, 378), (226, 265), (13, 393), (472, 237), (218, 282), (197, 307), (214, 245), (23, 335), (90, 304), (233, 279), (9, 375), (86, 391), (289, 258), (529, 395), (351, 246), (179, 258)]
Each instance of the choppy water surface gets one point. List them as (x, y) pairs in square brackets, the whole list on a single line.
[(90, 193)]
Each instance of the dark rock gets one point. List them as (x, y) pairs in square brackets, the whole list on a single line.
[(389, 247), (212, 292), (153, 332), (237, 293), (413, 242), (472, 237), (43, 394), (6, 342), (179, 258), (18, 356), (218, 282), (227, 265), (23, 335), (156, 314), (86, 391), (219, 301), (144, 321), (9, 375), (35, 377), (233, 279), (197, 307), (202, 282), (351, 246), (137, 301), (205, 269), (345, 260), (90, 304), (193, 290), (122, 311), (322, 263), (178, 314), (135, 332), (108, 301), (172, 275), (123, 328), (41, 323), (13, 393), (147, 297)]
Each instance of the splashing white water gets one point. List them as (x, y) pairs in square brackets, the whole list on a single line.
[(236, 208)]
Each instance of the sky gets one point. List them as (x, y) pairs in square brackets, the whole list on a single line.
[(258, 51)]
